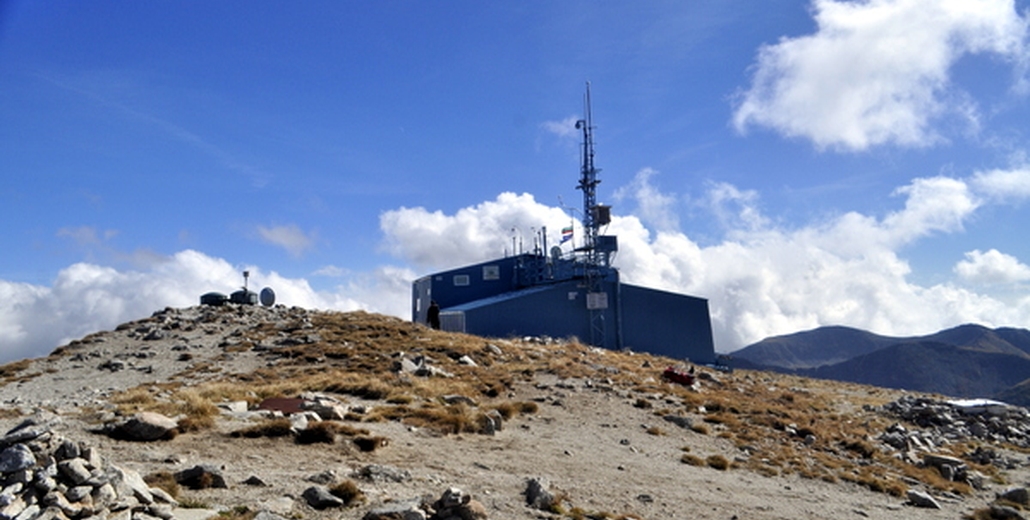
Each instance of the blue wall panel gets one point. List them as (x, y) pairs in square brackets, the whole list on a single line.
[(665, 323)]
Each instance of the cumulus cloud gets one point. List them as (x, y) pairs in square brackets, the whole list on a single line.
[(291, 238), (433, 240), (564, 128), (992, 268), (86, 297), (1004, 185), (761, 279), (652, 206), (876, 72)]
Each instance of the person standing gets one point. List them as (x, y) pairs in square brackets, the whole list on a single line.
[(433, 315)]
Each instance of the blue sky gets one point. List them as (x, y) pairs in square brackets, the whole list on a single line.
[(798, 163)]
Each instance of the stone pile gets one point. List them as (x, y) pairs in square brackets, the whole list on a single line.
[(47, 477), (942, 422), (453, 504)]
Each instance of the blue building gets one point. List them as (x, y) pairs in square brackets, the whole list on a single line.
[(563, 295), (535, 295)]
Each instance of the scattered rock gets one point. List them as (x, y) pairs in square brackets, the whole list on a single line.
[(202, 476), (999, 512), (921, 499), (679, 420), (381, 473), (1018, 495), (145, 427), (410, 509), (319, 497), (538, 494)]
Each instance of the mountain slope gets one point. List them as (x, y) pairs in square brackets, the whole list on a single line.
[(813, 348), (965, 361), (930, 367)]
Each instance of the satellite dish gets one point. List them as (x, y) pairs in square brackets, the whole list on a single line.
[(267, 297), (556, 252)]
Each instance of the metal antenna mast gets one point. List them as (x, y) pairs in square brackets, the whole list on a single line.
[(597, 300), (588, 183)]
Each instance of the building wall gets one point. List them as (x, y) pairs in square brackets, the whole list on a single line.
[(492, 300), (463, 285), (668, 324), (557, 310)]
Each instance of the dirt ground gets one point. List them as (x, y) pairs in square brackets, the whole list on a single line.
[(598, 449)]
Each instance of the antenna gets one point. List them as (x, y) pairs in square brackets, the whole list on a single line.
[(588, 181), (246, 274)]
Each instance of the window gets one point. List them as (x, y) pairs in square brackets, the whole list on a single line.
[(461, 280), (491, 272)]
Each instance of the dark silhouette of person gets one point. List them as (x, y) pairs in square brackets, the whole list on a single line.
[(433, 315)]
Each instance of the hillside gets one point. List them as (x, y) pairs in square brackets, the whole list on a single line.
[(397, 412), (965, 361)]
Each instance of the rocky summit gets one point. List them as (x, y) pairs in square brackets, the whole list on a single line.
[(246, 412)]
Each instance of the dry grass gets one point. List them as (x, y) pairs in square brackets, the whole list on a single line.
[(654, 430), (347, 491), (369, 444), (769, 415), (10, 371), (269, 428), (718, 462), (165, 481)]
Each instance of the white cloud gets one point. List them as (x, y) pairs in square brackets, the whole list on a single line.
[(86, 298), (762, 279), (991, 268), (291, 238), (653, 206), (1004, 185), (564, 128), (876, 72), (432, 240)]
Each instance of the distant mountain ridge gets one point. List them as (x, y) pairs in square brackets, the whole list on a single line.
[(965, 361)]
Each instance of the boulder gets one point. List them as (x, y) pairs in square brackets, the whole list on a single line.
[(319, 497), (145, 427), (398, 510), (1005, 513), (538, 494), (202, 476), (1018, 495), (16, 458), (921, 499)]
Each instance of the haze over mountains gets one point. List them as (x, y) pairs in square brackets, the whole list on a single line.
[(965, 361)]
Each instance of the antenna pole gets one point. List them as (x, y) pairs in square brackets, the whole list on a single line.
[(588, 182)]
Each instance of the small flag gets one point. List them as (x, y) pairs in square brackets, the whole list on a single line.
[(566, 234)]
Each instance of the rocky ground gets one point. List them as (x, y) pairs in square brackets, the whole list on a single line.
[(600, 431)]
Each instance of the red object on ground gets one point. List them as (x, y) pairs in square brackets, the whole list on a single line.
[(678, 376), (286, 405)]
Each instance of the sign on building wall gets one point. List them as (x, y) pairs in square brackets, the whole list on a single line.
[(597, 300)]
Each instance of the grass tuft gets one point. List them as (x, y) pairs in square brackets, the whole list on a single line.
[(347, 491), (280, 427)]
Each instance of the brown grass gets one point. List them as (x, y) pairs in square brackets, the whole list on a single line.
[(280, 427), (355, 358), (12, 369), (718, 462), (165, 481), (347, 491), (369, 444)]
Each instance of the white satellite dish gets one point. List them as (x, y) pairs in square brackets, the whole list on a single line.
[(267, 297)]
